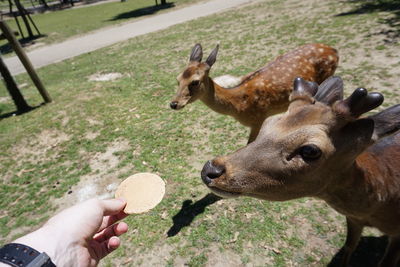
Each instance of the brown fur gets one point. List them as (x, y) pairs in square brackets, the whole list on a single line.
[(261, 93), (359, 180)]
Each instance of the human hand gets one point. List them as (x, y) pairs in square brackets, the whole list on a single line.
[(82, 234)]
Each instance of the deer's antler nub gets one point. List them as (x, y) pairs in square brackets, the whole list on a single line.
[(303, 89), (359, 102), (330, 90)]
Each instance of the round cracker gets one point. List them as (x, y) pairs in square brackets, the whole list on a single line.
[(142, 191)]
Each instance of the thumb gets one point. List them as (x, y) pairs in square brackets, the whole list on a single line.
[(112, 206)]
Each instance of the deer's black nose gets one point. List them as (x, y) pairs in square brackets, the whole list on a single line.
[(211, 171), (173, 105)]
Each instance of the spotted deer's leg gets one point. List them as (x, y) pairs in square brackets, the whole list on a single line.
[(354, 230), (392, 253)]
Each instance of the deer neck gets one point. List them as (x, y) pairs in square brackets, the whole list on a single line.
[(211, 97), (354, 192)]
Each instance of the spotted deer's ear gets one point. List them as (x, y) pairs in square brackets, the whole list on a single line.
[(197, 53), (212, 57), (330, 90)]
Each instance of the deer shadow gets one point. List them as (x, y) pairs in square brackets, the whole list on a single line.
[(145, 11), (368, 253), (367, 6), (189, 211)]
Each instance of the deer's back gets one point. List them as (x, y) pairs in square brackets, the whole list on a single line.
[(269, 87)]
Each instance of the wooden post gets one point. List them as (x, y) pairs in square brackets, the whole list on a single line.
[(25, 60), (12, 88)]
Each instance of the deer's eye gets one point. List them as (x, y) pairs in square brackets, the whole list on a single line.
[(310, 152), (194, 83)]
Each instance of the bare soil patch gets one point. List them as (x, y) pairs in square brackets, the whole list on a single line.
[(104, 77), (33, 149), (102, 181)]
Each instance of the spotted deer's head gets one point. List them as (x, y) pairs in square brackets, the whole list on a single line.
[(193, 80)]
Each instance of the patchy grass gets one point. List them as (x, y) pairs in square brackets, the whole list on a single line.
[(56, 26), (125, 126)]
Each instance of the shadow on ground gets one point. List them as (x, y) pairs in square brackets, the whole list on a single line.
[(189, 211), (392, 35), (369, 252), (6, 48), (18, 112), (142, 11)]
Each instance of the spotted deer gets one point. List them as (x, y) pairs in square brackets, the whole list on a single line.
[(322, 148), (262, 93)]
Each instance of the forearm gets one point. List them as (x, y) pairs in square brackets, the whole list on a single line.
[(60, 249)]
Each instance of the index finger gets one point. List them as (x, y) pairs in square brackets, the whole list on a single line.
[(109, 220), (112, 206)]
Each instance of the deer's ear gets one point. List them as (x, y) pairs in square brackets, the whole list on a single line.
[(212, 57), (197, 53), (330, 90), (359, 133), (386, 121)]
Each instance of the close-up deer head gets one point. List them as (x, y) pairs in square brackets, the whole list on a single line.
[(322, 148), (303, 151), (192, 81)]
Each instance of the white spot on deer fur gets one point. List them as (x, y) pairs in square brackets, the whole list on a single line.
[(227, 81), (330, 57), (321, 50)]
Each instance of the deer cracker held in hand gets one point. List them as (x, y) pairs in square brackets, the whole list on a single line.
[(259, 94), (321, 148)]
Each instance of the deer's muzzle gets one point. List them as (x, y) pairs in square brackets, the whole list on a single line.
[(211, 172), (174, 105)]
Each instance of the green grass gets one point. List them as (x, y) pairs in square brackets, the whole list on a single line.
[(45, 153), (59, 25)]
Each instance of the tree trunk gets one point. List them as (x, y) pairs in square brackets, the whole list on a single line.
[(22, 11), (12, 88), (163, 2), (16, 18), (24, 60), (44, 3)]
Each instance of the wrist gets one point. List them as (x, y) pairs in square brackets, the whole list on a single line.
[(46, 240), (19, 255)]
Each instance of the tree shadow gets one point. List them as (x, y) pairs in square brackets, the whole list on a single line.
[(7, 48), (368, 253), (19, 112), (142, 11), (393, 6), (189, 211)]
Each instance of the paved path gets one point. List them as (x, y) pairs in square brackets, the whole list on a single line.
[(73, 47)]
